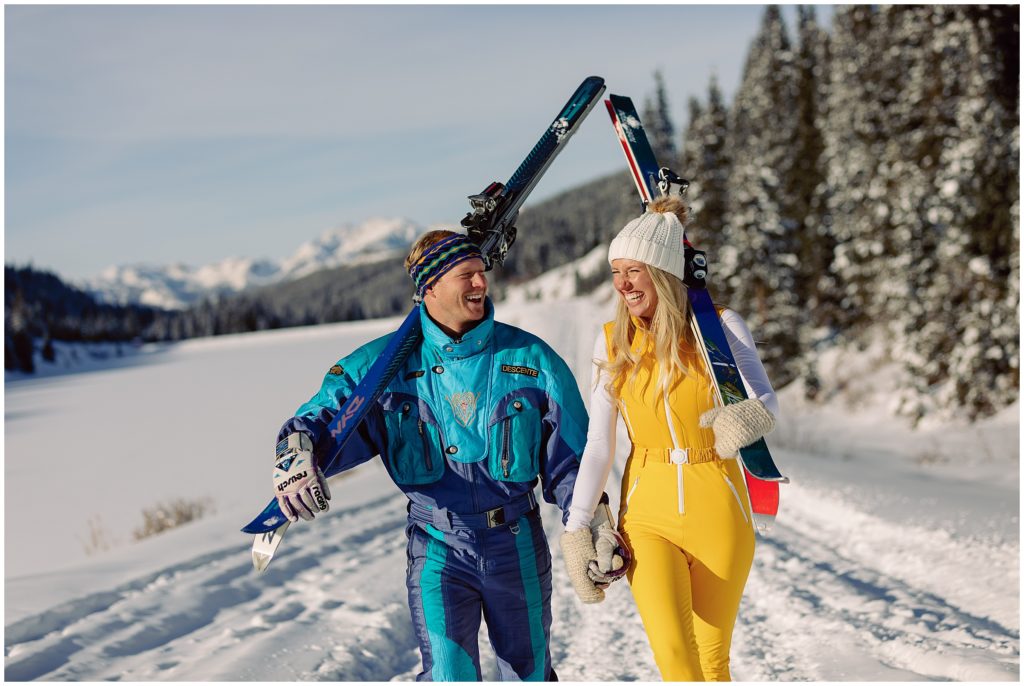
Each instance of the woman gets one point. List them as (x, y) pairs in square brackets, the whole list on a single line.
[(684, 511)]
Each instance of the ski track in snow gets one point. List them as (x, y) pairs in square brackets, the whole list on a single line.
[(228, 617), (838, 610), (837, 592), (812, 610)]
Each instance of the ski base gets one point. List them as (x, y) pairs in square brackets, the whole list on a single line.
[(763, 522), (265, 545)]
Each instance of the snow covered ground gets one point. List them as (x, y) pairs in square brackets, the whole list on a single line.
[(895, 556)]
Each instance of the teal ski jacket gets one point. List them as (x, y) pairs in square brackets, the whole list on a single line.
[(466, 425)]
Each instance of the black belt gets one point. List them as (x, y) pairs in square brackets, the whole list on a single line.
[(445, 520)]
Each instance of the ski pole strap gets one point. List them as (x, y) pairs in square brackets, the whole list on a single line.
[(439, 258), (447, 521)]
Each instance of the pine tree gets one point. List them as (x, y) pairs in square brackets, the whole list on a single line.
[(808, 187), (658, 124), (705, 162), (760, 259), (963, 341), (853, 138)]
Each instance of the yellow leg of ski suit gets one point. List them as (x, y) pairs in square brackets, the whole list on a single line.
[(686, 516)]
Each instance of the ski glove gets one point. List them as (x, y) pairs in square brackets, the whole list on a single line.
[(612, 556), (299, 484), (738, 425)]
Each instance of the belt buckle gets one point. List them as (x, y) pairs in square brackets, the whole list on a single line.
[(679, 455), (495, 517)]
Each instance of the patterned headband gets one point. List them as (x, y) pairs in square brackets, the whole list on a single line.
[(439, 258)]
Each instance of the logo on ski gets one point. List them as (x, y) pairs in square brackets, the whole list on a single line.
[(355, 402), (560, 127)]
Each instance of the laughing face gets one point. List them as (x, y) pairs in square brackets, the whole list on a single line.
[(456, 300), (633, 283)]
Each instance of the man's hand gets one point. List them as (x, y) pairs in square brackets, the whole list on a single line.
[(299, 484)]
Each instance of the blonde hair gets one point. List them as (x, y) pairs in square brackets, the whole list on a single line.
[(423, 242), (669, 328)]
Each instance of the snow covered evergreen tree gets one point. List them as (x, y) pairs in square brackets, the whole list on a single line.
[(658, 125), (706, 164), (963, 336), (808, 187), (920, 144), (916, 123), (760, 259), (853, 138)]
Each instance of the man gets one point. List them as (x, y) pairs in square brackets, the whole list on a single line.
[(477, 413)]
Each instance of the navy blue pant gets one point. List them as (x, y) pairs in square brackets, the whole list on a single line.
[(501, 574)]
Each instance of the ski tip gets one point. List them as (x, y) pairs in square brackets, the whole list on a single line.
[(763, 523), (260, 561), (265, 545)]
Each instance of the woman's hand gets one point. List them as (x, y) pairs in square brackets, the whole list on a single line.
[(578, 551), (738, 425)]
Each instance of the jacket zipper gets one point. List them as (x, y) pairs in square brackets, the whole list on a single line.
[(426, 446), (675, 447), (504, 445)]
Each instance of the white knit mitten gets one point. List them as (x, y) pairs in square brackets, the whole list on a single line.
[(578, 550), (738, 425)]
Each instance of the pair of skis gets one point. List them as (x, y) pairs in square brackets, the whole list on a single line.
[(491, 224), (762, 476)]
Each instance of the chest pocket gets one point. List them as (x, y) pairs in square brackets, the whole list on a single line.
[(514, 453), (414, 442)]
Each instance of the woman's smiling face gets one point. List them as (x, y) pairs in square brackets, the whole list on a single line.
[(633, 282)]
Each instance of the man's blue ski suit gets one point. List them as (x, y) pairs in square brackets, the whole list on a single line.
[(465, 429)]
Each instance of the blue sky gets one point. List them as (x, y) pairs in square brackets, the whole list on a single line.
[(157, 134)]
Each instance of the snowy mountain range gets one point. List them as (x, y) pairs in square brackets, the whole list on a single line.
[(178, 286)]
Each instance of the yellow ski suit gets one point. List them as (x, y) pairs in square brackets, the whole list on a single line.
[(686, 516)]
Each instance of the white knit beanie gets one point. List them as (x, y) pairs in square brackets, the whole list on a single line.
[(654, 238)]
